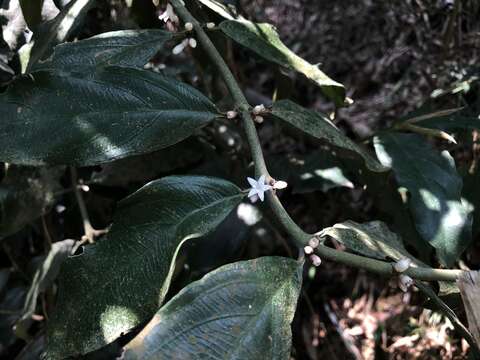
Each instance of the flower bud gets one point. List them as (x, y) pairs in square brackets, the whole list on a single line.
[(315, 259), (188, 26), (210, 25), (404, 282), (402, 265), (258, 119), (258, 109), (231, 114), (192, 42), (308, 250), (314, 242), (279, 185)]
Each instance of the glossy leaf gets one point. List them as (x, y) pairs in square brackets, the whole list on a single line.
[(319, 126), (265, 41), (239, 311), (53, 32), (373, 239), (125, 48), (117, 112), (121, 281), (441, 216)]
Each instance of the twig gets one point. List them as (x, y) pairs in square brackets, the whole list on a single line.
[(90, 232), (300, 237)]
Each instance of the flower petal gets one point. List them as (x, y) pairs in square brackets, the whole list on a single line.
[(252, 192), (251, 181), (261, 180)]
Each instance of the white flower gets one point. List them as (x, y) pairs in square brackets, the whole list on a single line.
[(258, 188), (169, 14)]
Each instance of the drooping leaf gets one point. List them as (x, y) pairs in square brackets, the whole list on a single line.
[(124, 48), (122, 280), (265, 41), (319, 126), (372, 239), (114, 113), (239, 311), (43, 278), (25, 194), (452, 122), (441, 216), (446, 119), (316, 171), (53, 32)]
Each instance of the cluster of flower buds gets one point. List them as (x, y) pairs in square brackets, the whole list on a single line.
[(404, 281), (257, 112), (309, 250)]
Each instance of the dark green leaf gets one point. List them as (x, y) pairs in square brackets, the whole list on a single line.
[(32, 11), (239, 311), (319, 126), (54, 32), (441, 216), (25, 194), (451, 122), (117, 112), (373, 239), (264, 40), (124, 48), (121, 281)]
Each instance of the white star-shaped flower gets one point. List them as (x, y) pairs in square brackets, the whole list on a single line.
[(258, 188)]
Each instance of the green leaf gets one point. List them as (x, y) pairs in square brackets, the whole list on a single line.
[(322, 128), (121, 281), (25, 194), (227, 11), (53, 32), (43, 278), (373, 239), (32, 11), (442, 217), (451, 122), (239, 311), (116, 112), (265, 41), (124, 48), (318, 170)]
